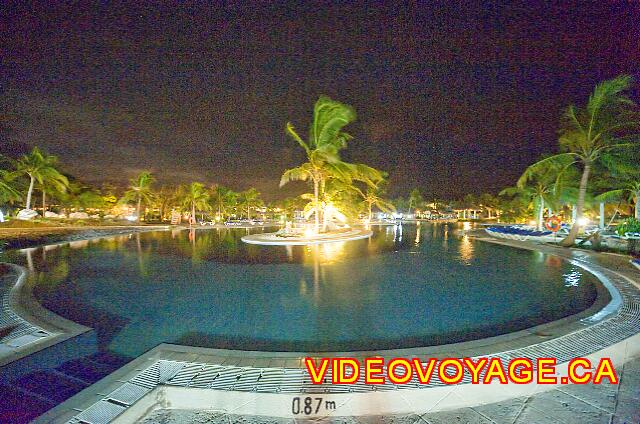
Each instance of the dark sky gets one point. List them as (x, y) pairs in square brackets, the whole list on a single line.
[(452, 97)]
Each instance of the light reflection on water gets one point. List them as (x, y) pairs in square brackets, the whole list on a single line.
[(466, 249), (400, 288), (572, 279)]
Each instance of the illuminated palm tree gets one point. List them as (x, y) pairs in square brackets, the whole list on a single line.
[(591, 134), (195, 197), (41, 168), (535, 196), (630, 191), (163, 198), (250, 199), (140, 191), (548, 186), (322, 148), (223, 199), (372, 196)]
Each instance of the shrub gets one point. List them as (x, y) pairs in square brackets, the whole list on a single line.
[(631, 225)]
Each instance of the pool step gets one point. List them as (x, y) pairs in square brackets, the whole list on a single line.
[(21, 406), (35, 393), (51, 385), (92, 368)]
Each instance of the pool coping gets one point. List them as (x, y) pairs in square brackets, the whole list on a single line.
[(48, 328), (174, 358)]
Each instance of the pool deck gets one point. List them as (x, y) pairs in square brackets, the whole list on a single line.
[(18, 238), (174, 383)]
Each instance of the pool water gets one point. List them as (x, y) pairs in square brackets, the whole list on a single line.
[(407, 286)]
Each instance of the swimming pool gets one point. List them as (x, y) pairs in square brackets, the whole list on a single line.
[(407, 286)]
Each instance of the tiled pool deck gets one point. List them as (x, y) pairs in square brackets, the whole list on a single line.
[(184, 384)]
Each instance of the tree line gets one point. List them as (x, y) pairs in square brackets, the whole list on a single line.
[(597, 162)]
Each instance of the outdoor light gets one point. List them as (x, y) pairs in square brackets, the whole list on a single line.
[(583, 221), (131, 218)]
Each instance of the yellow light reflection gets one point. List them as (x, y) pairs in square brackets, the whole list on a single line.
[(79, 244), (332, 252), (289, 250), (466, 249)]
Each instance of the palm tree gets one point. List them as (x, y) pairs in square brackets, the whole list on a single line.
[(223, 198), (620, 180), (52, 189), (416, 200), (630, 190), (548, 186), (40, 168), (373, 197), (139, 191), (536, 196), (163, 198), (87, 197), (7, 192), (322, 148), (250, 199), (513, 207), (196, 197), (488, 202), (337, 201), (289, 205), (589, 135)]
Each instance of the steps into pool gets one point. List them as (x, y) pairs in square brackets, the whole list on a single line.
[(35, 393)]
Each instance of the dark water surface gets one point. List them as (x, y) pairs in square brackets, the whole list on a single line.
[(411, 285)]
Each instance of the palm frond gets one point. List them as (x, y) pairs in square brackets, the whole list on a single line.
[(612, 196), (292, 132), (300, 173), (329, 117), (608, 92), (544, 166)]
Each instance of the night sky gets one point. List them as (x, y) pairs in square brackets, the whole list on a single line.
[(452, 97)]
